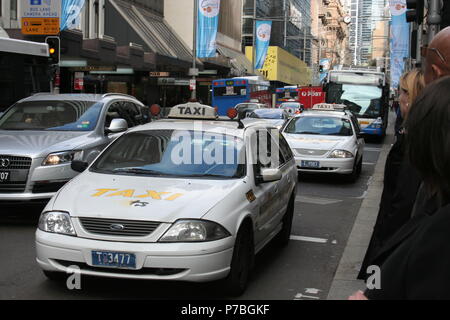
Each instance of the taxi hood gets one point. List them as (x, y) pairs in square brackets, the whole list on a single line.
[(315, 142), (96, 195)]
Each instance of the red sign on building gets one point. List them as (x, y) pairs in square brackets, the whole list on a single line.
[(309, 96)]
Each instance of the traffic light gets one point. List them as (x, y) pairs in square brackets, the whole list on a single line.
[(321, 68), (54, 49), (415, 12)]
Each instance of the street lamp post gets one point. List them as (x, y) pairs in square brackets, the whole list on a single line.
[(194, 52)]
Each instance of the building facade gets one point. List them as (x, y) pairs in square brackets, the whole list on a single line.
[(333, 32)]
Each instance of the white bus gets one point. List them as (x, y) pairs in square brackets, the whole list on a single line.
[(24, 70), (365, 93)]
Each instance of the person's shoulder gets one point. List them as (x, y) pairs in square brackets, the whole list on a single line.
[(437, 226)]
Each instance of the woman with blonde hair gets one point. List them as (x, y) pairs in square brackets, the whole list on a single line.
[(411, 85), (401, 181)]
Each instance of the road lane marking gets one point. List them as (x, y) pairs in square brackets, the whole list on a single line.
[(369, 163), (316, 200), (309, 239), (299, 296), (312, 291)]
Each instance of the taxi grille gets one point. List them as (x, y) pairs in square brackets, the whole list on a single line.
[(17, 162), (311, 152), (108, 227)]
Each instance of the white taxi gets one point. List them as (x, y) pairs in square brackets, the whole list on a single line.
[(175, 199), (326, 139)]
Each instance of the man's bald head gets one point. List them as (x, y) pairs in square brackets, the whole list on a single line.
[(437, 62)]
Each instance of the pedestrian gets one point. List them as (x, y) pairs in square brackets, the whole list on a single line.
[(437, 65), (418, 255), (401, 181)]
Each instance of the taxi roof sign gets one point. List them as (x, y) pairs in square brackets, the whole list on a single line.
[(329, 107), (193, 110)]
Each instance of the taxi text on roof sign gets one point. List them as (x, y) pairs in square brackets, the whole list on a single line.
[(329, 107), (194, 111)]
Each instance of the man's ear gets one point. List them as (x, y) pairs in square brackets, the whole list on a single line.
[(438, 71)]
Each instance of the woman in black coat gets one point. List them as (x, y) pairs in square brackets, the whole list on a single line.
[(401, 181), (416, 260)]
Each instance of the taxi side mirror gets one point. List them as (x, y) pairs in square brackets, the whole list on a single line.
[(116, 126), (270, 175), (79, 166)]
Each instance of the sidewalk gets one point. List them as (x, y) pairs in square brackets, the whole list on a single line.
[(345, 283)]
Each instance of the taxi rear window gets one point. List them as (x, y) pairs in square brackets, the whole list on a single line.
[(173, 153), (329, 126)]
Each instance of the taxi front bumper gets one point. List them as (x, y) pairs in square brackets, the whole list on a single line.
[(195, 262), (325, 165)]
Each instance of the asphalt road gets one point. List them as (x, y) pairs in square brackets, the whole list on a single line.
[(325, 212)]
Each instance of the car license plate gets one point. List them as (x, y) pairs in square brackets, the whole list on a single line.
[(310, 164), (5, 176), (114, 259)]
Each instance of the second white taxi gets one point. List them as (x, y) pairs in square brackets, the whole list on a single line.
[(159, 203), (326, 139)]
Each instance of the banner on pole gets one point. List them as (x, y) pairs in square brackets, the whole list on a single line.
[(263, 33), (399, 40), (70, 15), (207, 25)]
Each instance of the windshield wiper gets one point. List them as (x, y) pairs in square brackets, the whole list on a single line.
[(208, 175), (137, 171), (308, 132)]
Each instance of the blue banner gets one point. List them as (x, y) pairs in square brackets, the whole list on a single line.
[(208, 22), (70, 13), (325, 63), (399, 40), (263, 33)]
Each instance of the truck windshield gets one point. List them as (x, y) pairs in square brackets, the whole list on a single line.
[(363, 100)]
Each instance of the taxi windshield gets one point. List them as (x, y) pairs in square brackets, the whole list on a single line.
[(174, 153), (329, 126), (291, 105), (274, 114), (52, 116)]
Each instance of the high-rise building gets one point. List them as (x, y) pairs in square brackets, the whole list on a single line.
[(353, 29), (370, 13), (291, 24)]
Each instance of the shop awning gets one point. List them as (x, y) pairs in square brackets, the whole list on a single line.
[(241, 65), (154, 31)]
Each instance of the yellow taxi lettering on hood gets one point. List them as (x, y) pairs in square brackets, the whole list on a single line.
[(125, 193), (153, 194), (175, 196), (102, 192)]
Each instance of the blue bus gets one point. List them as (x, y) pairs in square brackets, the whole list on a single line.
[(227, 93)]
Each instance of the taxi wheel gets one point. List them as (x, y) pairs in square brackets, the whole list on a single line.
[(55, 276), (241, 263), (284, 235), (357, 168)]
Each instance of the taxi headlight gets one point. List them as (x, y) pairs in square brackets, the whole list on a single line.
[(340, 154), (56, 222), (61, 158), (194, 231)]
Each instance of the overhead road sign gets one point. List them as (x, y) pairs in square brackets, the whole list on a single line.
[(40, 17)]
